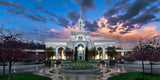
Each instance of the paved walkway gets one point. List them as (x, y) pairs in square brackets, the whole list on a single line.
[(137, 65), (23, 66)]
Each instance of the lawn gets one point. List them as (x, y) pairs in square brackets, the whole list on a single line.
[(133, 76), (26, 76)]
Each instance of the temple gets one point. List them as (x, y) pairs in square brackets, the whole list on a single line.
[(80, 39)]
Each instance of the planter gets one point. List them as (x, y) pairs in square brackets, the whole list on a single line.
[(80, 71)]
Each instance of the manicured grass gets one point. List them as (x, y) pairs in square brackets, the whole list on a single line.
[(133, 76), (26, 76)]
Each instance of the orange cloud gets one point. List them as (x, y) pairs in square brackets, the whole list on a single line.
[(127, 40)]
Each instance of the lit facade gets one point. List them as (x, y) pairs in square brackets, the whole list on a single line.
[(80, 39)]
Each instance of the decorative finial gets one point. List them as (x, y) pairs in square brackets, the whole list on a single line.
[(80, 12)]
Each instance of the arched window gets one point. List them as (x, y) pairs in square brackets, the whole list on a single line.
[(80, 38)]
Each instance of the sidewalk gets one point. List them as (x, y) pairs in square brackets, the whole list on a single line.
[(23, 66), (136, 66)]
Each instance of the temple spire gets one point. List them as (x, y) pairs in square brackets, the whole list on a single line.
[(80, 22), (80, 12)]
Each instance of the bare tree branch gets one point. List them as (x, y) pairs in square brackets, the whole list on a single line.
[(9, 36)]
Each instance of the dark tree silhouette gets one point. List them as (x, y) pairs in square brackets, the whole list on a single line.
[(86, 54), (111, 51), (93, 52), (49, 52), (68, 52), (75, 57)]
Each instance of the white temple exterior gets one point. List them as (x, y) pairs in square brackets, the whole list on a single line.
[(80, 39)]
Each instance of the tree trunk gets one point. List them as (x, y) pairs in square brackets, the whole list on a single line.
[(143, 70), (4, 66), (10, 68), (151, 67)]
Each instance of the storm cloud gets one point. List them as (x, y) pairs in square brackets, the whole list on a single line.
[(86, 5), (73, 16), (139, 12), (12, 4), (91, 26)]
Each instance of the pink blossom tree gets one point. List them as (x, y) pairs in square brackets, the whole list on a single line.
[(154, 51), (10, 49), (140, 53), (145, 51), (119, 57), (13, 52), (3, 59), (34, 57)]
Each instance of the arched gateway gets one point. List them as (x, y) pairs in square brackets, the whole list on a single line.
[(80, 52)]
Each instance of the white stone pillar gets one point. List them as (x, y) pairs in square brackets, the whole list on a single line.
[(106, 55), (36, 53), (103, 57), (64, 56), (96, 57), (122, 53), (56, 53)]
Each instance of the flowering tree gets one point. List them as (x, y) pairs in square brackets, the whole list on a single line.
[(119, 57), (4, 37), (3, 59), (140, 53), (146, 51), (34, 57), (10, 49), (13, 52), (154, 47)]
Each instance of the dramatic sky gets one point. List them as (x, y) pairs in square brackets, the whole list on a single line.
[(122, 20)]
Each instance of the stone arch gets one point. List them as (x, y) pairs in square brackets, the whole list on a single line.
[(80, 43), (60, 53), (80, 51), (100, 53)]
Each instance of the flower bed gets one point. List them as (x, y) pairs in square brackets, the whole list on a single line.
[(80, 67), (94, 62), (67, 63)]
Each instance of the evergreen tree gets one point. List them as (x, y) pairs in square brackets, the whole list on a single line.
[(86, 54), (111, 51), (49, 52), (93, 52), (68, 52), (75, 58)]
